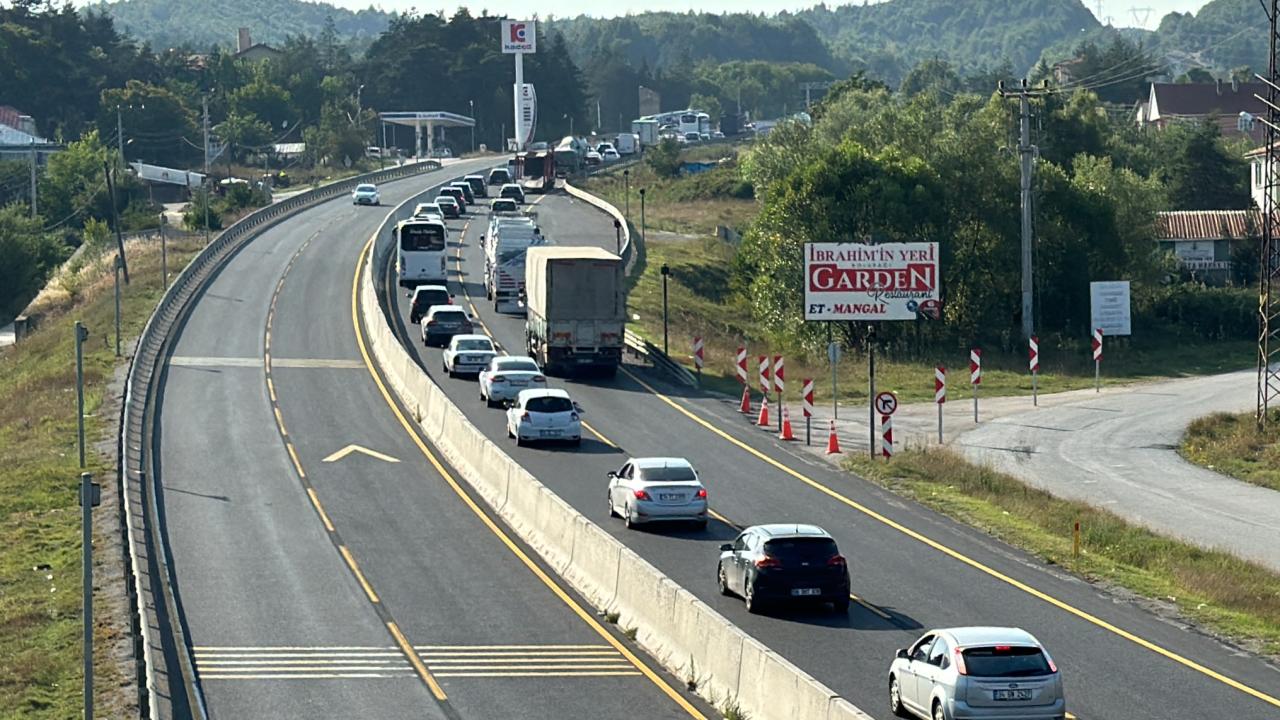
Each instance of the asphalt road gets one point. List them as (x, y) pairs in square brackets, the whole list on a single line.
[(360, 584), (1118, 450), (911, 567)]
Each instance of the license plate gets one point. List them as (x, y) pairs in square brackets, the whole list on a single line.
[(519, 383), (548, 433), (584, 360), (670, 497), (1018, 694), (802, 592)]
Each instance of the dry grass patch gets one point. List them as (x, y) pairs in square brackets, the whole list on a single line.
[(1231, 444)]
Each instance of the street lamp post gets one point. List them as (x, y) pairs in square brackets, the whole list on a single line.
[(642, 228), (473, 124), (359, 120), (666, 272), (626, 181), (617, 232)]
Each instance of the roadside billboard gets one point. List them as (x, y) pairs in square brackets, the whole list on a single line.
[(1109, 307), (519, 36), (891, 281), (528, 114)]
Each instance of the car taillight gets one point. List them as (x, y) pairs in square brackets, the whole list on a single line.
[(498, 378), (539, 378), (768, 561), (525, 417), (1053, 667), (837, 560), (702, 493), (959, 662), (642, 495), (431, 322), (573, 416)]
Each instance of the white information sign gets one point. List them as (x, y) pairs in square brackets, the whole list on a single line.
[(892, 281), (519, 36), (1109, 307)]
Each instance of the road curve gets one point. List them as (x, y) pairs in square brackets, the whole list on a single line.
[(911, 567), (1118, 450), (326, 565)]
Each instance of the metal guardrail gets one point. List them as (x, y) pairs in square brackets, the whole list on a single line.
[(144, 541), (647, 350)]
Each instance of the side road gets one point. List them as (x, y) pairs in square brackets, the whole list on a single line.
[(1116, 449)]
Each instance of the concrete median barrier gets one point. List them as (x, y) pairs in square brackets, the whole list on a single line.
[(683, 633)]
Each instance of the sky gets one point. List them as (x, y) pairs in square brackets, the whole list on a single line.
[(1121, 12)]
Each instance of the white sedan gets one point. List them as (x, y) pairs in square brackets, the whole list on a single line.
[(506, 376), (366, 194), (427, 211), (544, 414), (468, 355), (610, 155), (657, 489)]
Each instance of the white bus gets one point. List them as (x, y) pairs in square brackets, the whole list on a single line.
[(421, 246), (692, 121)]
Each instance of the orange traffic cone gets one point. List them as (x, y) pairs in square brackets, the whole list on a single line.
[(786, 426), (746, 401), (833, 442), (763, 419)]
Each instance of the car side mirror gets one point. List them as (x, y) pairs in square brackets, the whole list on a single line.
[(727, 547), (902, 654), (578, 408), (611, 474)]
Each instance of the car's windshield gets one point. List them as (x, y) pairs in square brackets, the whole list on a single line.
[(1006, 661), (365, 188), (518, 366), (549, 405), (474, 345)]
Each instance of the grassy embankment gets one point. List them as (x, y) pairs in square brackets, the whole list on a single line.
[(1232, 445), (1222, 593), (40, 568)]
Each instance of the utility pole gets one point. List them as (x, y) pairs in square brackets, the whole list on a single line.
[(90, 498), (119, 134), (34, 210), (1027, 153), (207, 199), (1269, 272), (808, 88), (472, 103), (115, 219)]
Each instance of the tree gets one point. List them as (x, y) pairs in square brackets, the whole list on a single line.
[(265, 100), (27, 255), (157, 126), (72, 187), (1198, 170), (243, 131), (664, 158), (932, 75)]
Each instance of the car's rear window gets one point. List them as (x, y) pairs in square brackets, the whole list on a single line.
[(549, 405), (1006, 661), (518, 366), (505, 206), (427, 299), (449, 315), (801, 548), (475, 345), (668, 474)]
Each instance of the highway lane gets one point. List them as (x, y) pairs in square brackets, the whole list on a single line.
[(356, 585), (967, 578)]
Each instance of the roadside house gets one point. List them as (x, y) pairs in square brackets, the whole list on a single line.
[(1232, 106), (1204, 241)]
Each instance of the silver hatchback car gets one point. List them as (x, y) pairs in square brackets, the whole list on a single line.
[(973, 673)]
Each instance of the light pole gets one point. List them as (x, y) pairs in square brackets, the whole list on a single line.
[(626, 181), (617, 232), (666, 272), (642, 235), (90, 497), (359, 120), (473, 124), (82, 334), (570, 117), (119, 266)]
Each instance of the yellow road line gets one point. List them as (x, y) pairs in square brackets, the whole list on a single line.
[(502, 536), (351, 563), (279, 419), (293, 454), (510, 647), (324, 516), (421, 669), (271, 390), (598, 435), (961, 557), (721, 518), (627, 673)]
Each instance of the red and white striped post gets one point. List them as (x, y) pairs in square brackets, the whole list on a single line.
[(764, 376), (779, 385), (886, 443), (1097, 359), (940, 394), (975, 377), (741, 361), (697, 357), (1034, 350), (806, 402)]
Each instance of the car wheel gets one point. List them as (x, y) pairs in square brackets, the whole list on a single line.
[(519, 440), (701, 524), (938, 712), (754, 606), (576, 442), (841, 607), (895, 698), (509, 433), (723, 581), (612, 512), (626, 517)]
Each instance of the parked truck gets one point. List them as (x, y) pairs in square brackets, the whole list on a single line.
[(576, 309), (505, 243)]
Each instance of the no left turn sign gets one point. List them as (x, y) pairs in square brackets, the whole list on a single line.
[(886, 403)]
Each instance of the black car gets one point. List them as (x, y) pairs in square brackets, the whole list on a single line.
[(477, 185), (424, 296), (499, 176), (442, 322), (465, 187), (455, 193), (784, 563)]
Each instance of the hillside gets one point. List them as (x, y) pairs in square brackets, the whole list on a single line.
[(202, 24), (1224, 34)]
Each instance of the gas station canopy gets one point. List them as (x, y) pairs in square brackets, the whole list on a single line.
[(417, 119)]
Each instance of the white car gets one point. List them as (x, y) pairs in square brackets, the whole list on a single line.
[(512, 191), (427, 211), (365, 194), (610, 155), (592, 157), (468, 354), (544, 414), (657, 489), (506, 376)]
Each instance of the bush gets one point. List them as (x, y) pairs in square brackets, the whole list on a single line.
[(193, 218), (27, 256), (664, 158), (1197, 311)]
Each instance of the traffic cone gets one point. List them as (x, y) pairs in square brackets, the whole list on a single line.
[(746, 401), (786, 426), (763, 419), (833, 442)]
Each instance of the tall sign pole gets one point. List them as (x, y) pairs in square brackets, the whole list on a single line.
[(519, 37)]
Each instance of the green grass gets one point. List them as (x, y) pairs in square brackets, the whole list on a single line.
[(1231, 444), (40, 609), (1227, 595), (694, 205), (701, 304)]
